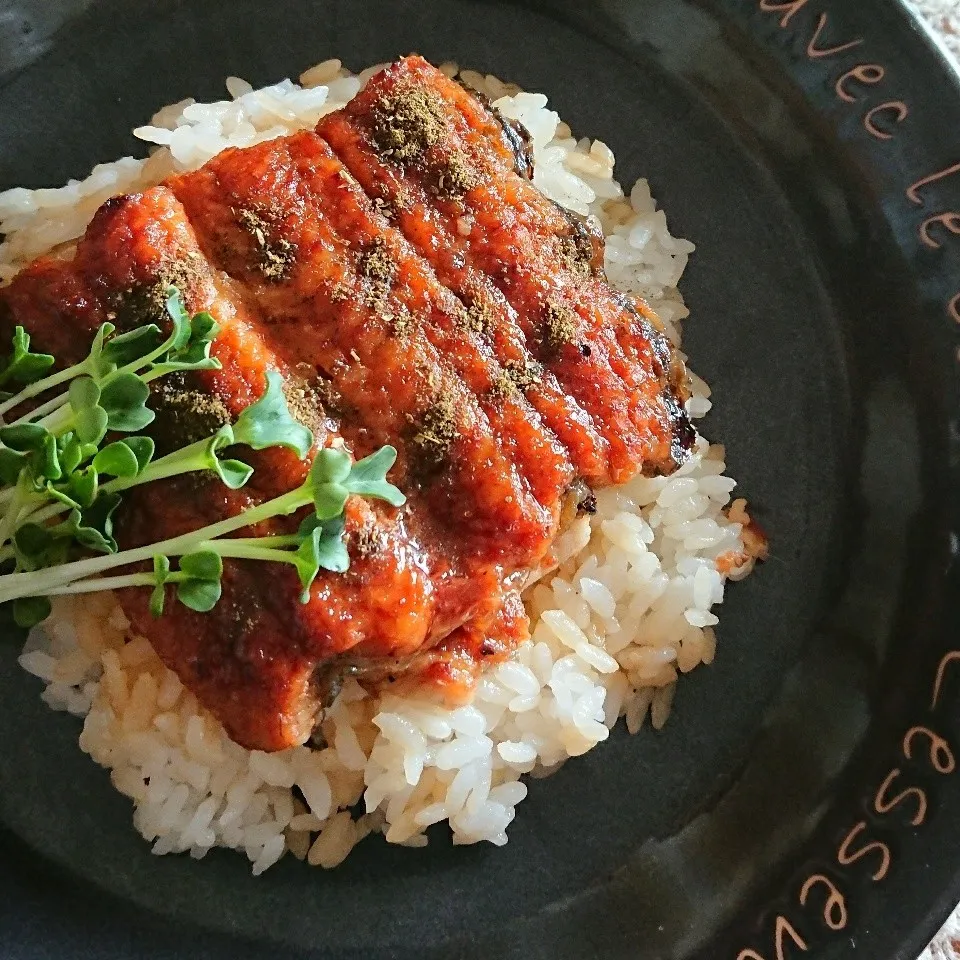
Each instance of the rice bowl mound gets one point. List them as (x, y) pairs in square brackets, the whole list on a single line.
[(623, 611)]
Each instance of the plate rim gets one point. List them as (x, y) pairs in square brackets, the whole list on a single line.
[(916, 935), (949, 67)]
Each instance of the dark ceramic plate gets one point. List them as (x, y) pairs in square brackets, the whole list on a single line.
[(804, 797)]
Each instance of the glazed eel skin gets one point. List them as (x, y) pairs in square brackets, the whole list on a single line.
[(412, 287)]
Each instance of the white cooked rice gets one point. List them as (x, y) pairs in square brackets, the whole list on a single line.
[(627, 610)]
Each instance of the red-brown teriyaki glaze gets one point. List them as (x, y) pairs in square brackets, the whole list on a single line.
[(437, 158), (489, 311), (448, 310), (358, 304), (455, 663), (252, 659), (357, 309)]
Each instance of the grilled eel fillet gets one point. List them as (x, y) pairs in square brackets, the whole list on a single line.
[(410, 284)]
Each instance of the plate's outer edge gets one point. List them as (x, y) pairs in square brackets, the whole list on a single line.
[(919, 176), (865, 68), (881, 872)]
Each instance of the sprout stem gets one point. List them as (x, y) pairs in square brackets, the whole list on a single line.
[(44, 409), (186, 460), (110, 583), (42, 386), (9, 521), (40, 582), (247, 551)]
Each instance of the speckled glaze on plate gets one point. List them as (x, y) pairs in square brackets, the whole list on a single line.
[(804, 798)]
